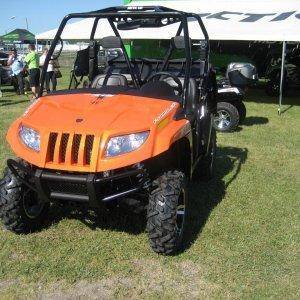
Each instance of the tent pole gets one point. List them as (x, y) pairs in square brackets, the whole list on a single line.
[(282, 76)]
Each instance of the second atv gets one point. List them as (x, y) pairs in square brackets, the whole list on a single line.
[(137, 129)]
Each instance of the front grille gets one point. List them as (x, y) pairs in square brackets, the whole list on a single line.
[(68, 187), (66, 147)]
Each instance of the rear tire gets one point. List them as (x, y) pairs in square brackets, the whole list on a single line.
[(226, 118), (20, 209), (167, 212)]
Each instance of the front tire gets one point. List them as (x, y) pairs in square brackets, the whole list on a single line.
[(227, 117), (20, 209), (167, 212)]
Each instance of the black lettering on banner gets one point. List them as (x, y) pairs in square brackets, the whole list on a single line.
[(255, 17), (221, 15), (283, 16), (251, 17)]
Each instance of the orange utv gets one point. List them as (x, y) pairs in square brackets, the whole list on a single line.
[(127, 128)]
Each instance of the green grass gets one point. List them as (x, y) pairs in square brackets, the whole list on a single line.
[(244, 236)]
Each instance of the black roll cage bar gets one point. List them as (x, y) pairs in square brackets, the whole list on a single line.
[(134, 12)]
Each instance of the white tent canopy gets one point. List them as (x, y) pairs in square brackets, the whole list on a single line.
[(250, 20), (239, 20)]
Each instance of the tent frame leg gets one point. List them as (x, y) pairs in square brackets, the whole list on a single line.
[(282, 77)]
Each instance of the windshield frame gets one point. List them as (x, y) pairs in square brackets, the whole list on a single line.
[(134, 12)]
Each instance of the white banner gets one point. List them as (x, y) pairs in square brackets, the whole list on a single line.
[(250, 20)]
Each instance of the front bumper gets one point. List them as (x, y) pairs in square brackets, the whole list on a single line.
[(91, 188)]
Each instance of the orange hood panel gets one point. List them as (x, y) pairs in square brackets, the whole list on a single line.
[(76, 128), (86, 113)]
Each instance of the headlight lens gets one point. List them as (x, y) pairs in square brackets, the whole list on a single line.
[(30, 138), (126, 143)]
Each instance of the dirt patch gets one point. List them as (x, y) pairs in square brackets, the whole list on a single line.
[(149, 278), (7, 283), (185, 280), (103, 289)]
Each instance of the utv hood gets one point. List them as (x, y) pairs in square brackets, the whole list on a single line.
[(76, 128), (94, 114)]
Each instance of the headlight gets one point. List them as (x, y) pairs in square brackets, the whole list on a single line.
[(126, 143), (30, 138)]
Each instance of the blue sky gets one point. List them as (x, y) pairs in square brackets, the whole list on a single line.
[(44, 15)]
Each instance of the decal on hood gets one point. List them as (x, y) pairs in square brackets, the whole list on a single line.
[(99, 97)]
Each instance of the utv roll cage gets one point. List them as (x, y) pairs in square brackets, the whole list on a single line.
[(126, 15)]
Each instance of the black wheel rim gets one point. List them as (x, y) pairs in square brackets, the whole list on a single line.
[(180, 212), (222, 120), (31, 204)]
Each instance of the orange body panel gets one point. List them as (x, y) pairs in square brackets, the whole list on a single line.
[(76, 128)]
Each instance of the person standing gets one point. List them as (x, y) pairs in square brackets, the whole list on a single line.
[(32, 62), (50, 74), (17, 68)]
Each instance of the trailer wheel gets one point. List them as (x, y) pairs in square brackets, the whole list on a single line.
[(20, 209), (226, 118), (167, 212)]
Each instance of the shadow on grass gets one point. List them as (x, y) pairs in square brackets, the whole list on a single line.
[(251, 121), (258, 95), (5, 102), (8, 90), (287, 109), (117, 216), (205, 196)]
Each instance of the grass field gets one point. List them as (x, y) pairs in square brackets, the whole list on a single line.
[(244, 232)]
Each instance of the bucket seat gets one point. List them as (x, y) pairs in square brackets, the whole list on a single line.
[(110, 79)]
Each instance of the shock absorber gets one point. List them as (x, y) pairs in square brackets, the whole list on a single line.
[(143, 177)]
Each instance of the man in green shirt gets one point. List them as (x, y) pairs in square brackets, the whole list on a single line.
[(32, 62)]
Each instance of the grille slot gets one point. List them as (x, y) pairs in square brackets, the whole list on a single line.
[(51, 145), (63, 146), (75, 148), (89, 142)]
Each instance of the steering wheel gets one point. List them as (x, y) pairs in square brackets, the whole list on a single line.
[(179, 87)]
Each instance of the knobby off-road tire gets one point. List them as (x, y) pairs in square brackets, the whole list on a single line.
[(227, 117), (205, 169), (20, 210), (167, 212)]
